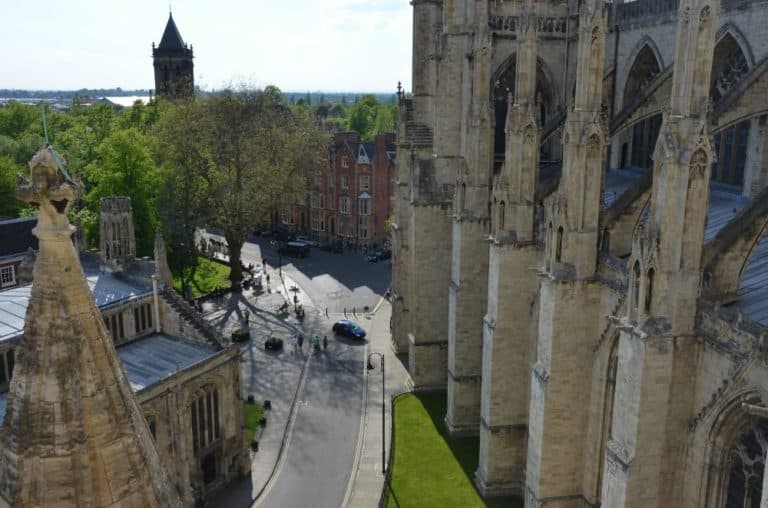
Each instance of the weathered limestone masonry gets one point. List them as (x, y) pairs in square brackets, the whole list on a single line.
[(414, 143), (73, 433), (509, 322), (116, 236), (432, 182), (469, 270), (657, 348), (570, 299)]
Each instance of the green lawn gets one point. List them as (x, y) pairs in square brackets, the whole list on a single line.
[(430, 468), (252, 413), (209, 276)]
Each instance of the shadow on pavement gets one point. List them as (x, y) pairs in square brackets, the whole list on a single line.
[(237, 493)]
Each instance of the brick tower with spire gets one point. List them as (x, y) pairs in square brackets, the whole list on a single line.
[(174, 70)]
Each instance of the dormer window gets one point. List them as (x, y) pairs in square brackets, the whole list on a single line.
[(344, 161)]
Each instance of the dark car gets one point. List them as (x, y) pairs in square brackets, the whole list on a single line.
[(380, 255), (349, 329)]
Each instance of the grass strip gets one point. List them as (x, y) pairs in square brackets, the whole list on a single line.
[(430, 468)]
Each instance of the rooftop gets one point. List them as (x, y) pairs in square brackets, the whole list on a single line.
[(107, 288), (150, 360), (16, 237), (156, 357)]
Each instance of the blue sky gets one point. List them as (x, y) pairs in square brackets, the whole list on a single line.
[(329, 45)]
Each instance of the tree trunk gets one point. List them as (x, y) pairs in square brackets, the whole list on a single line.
[(235, 265)]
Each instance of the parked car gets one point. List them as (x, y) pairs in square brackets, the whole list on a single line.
[(307, 240), (349, 329), (380, 255)]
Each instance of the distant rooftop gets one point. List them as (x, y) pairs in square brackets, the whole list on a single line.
[(171, 40)]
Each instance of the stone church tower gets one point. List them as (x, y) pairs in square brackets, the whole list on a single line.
[(174, 70), (73, 433), (117, 241)]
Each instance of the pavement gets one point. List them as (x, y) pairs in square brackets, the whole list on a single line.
[(323, 439), (367, 482)]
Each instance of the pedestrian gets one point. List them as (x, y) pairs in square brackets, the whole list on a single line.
[(247, 316), (325, 342), (301, 343), (316, 343), (267, 279), (295, 346)]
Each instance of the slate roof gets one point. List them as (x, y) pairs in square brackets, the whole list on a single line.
[(16, 237), (153, 358), (171, 40), (107, 288)]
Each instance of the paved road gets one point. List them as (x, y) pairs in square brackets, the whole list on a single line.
[(321, 451), (318, 460), (335, 281)]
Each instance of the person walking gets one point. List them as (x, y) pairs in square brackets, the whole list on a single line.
[(325, 342), (316, 343), (301, 343)]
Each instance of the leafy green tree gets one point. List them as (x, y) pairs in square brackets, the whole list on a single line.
[(183, 192), (124, 166), (9, 205), (252, 156)]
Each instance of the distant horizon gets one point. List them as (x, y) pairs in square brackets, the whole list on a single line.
[(127, 90), (340, 46)]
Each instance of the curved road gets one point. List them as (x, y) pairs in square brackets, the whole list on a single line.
[(317, 462)]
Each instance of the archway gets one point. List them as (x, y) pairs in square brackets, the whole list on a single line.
[(546, 104), (729, 66), (638, 148), (736, 452)]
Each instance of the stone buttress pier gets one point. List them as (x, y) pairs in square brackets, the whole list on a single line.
[(469, 268), (570, 300), (510, 321), (657, 348)]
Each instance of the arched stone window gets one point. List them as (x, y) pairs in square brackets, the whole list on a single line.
[(647, 307), (559, 246), (746, 464), (636, 285), (503, 86), (644, 134), (548, 246), (204, 416)]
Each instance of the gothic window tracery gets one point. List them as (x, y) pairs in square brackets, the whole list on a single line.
[(644, 70), (545, 102), (729, 66), (746, 464)]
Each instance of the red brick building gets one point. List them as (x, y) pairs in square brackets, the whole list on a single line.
[(350, 197)]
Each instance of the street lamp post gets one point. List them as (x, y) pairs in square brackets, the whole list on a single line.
[(383, 398)]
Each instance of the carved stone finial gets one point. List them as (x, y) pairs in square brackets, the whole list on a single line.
[(50, 190)]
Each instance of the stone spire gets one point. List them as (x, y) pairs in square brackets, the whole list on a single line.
[(515, 188), (668, 250), (73, 433), (572, 237)]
